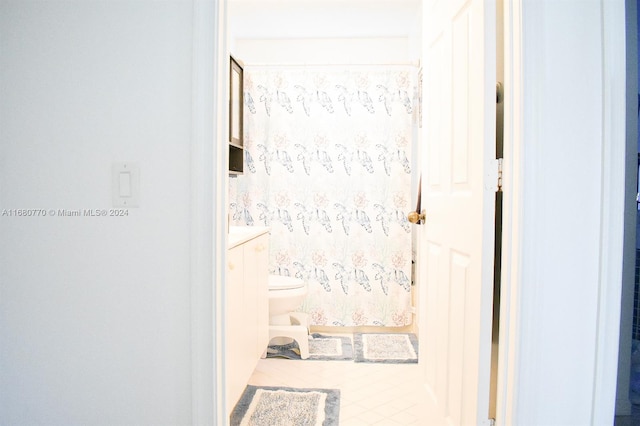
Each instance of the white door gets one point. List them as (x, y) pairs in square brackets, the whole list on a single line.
[(455, 246)]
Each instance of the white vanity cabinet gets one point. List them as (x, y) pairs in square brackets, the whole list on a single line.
[(247, 316)]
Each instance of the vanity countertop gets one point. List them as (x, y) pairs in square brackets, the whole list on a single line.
[(241, 234)]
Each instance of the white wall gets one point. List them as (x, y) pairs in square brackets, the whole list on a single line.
[(94, 312), (325, 32), (324, 51), (322, 18)]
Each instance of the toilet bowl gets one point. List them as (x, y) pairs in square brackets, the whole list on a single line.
[(285, 325)]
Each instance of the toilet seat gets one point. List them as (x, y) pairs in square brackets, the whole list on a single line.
[(281, 282)]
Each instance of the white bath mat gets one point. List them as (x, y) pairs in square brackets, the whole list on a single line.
[(262, 406), (391, 348)]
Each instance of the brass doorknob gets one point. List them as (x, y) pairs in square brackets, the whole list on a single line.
[(417, 218)]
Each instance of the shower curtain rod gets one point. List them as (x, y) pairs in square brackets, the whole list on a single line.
[(410, 64)]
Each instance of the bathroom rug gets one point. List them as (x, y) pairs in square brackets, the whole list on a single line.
[(389, 348), (321, 347), (266, 405)]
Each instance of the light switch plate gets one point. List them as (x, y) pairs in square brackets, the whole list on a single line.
[(125, 185)]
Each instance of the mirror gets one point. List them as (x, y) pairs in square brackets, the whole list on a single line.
[(235, 104)]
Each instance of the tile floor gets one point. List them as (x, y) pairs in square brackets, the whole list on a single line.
[(370, 393)]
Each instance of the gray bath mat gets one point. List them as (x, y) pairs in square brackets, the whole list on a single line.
[(320, 348), (390, 348), (266, 405)]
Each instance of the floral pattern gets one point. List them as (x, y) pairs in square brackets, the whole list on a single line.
[(328, 168)]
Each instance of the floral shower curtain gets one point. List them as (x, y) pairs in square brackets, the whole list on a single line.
[(328, 168)]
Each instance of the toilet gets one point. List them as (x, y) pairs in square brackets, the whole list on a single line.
[(285, 325)]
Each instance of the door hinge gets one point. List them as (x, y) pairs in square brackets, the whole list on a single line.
[(492, 422), (499, 161), (494, 175)]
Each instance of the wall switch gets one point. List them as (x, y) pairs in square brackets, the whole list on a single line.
[(125, 185)]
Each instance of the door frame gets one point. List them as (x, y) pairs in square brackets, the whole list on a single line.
[(519, 127), (512, 211), (208, 222), (623, 402)]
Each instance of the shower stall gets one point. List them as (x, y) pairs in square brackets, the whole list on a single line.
[(328, 166)]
